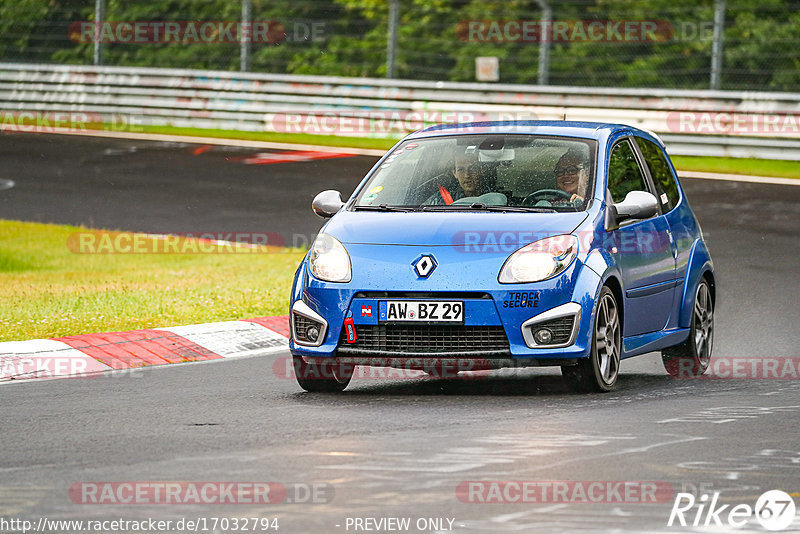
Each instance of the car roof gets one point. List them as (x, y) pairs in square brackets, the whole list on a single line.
[(589, 130)]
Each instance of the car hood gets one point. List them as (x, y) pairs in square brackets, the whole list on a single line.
[(443, 229)]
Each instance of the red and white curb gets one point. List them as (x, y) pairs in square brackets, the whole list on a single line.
[(89, 354)]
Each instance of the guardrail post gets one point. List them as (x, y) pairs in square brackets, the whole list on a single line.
[(544, 41), (391, 45), (245, 35), (716, 50), (99, 18)]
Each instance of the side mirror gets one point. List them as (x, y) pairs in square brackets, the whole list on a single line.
[(327, 203), (637, 205)]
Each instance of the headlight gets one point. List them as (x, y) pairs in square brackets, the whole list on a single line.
[(329, 260), (539, 260)]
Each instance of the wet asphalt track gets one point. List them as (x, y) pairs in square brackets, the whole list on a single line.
[(401, 447)]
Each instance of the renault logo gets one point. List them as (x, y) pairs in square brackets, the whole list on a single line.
[(424, 266)]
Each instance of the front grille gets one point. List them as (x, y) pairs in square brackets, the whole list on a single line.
[(561, 329), (427, 339)]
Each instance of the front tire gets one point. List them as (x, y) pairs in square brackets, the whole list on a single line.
[(599, 371), (691, 358), (325, 376)]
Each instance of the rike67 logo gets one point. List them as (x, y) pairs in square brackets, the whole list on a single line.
[(774, 510)]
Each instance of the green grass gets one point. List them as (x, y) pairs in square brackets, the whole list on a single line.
[(49, 290), (752, 166)]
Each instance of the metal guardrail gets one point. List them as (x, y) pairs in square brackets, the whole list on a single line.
[(714, 123)]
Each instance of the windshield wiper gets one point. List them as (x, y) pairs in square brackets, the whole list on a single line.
[(475, 206), (449, 207), (382, 207), (479, 206), (520, 209)]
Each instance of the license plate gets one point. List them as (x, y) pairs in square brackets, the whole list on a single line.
[(412, 311)]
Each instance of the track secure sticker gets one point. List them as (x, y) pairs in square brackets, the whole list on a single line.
[(522, 299)]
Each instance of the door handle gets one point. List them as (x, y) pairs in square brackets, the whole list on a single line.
[(673, 245)]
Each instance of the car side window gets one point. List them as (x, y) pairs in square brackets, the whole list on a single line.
[(662, 175), (624, 174)]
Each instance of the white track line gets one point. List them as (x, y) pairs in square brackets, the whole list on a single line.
[(218, 141), (739, 178)]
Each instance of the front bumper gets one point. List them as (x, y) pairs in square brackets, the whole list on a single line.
[(499, 319)]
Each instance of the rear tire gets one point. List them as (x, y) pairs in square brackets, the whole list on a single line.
[(326, 376), (691, 358), (599, 371)]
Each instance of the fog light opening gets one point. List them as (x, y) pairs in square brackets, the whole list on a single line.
[(543, 336), (312, 334), (308, 327)]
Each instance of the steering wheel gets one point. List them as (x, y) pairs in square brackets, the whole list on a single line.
[(555, 194)]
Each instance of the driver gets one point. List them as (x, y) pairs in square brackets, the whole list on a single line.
[(572, 176), (464, 179)]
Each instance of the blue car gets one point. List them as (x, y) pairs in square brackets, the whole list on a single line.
[(507, 244)]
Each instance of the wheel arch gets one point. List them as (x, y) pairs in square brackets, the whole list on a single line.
[(700, 267), (602, 263), (613, 283), (712, 285)]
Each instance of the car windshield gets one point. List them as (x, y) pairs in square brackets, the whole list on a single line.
[(483, 172)]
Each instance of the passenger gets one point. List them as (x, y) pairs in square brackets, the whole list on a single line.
[(464, 179), (572, 176)]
